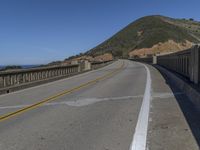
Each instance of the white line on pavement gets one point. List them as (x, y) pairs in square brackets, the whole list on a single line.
[(140, 135), (88, 101), (77, 102)]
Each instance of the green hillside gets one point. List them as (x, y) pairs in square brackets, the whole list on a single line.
[(148, 31)]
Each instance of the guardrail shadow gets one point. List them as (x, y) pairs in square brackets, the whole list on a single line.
[(189, 110)]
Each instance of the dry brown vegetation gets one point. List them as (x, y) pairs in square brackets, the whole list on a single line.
[(161, 48)]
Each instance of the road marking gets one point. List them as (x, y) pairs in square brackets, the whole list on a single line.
[(140, 135), (87, 101), (77, 102), (54, 97)]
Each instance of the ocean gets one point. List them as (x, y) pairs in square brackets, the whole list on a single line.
[(23, 66)]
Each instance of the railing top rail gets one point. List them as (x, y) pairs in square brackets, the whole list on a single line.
[(184, 52)]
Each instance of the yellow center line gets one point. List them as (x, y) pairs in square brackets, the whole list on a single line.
[(54, 97)]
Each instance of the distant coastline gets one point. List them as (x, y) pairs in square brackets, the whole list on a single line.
[(23, 66)]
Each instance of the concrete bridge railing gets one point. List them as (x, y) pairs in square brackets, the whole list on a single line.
[(186, 63), (17, 79), (24, 76)]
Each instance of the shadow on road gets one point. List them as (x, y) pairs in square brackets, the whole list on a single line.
[(189, 110)]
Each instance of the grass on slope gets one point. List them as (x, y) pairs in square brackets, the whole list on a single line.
[(143, 33)]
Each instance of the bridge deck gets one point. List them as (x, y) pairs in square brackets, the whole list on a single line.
[(98, 110)]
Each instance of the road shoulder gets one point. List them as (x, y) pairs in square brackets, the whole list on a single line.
[(168, 128)]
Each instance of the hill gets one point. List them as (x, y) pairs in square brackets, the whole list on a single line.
[(147, 32)]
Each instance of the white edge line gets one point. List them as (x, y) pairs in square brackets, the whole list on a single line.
[(140, 135)]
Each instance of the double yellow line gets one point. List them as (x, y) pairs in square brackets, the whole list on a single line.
[(54, 97)]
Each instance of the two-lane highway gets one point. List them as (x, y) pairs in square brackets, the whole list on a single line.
[(98, 110), (99, 116)]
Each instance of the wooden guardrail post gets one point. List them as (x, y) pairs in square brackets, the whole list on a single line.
[(195, 64)]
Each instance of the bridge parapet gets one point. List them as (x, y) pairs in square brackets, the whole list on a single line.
[(186, 63), (12, 80)]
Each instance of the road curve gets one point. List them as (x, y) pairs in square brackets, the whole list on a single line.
[(99, 116)]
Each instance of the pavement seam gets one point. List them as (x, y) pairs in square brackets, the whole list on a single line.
[(95, 100), (77, 102)]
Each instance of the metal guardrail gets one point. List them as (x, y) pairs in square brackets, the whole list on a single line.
[(186, 63)]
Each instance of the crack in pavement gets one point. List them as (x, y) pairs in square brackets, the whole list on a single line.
[(89, 101)]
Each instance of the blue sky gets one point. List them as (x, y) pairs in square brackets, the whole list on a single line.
[(40, 31)]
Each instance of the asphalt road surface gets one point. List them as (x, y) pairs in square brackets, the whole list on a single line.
[(123, 106)]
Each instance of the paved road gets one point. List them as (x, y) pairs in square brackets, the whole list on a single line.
[(98, 114)]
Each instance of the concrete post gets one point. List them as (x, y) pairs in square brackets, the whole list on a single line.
[(65, 71), (87, 65), (11, 80), (154, 59), (29, 77), (15, 79), (194, 64), (36, 76), (39, 75), (7, 80), (4, 81), (23, 78), (32, 76), (84, 66), (1, 81), (46, 74), (50, 73)]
